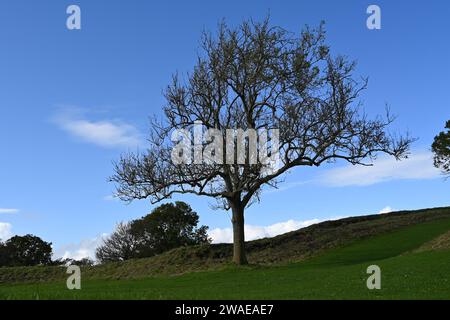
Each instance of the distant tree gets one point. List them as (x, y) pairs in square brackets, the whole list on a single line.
[(121, 245), (166, 227), (441, 150), (257, 76), (25, 250)]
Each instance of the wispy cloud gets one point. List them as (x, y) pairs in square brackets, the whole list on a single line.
[(419, 166), (105, 133), (8, 210), (5, 231)]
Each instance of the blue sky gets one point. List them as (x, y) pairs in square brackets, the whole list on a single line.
[(72, 101)]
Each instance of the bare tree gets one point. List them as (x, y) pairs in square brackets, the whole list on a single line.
[(119, 246), (252, 77)]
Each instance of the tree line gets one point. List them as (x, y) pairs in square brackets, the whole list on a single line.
[(167, 227)]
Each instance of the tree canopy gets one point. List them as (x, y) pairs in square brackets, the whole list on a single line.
[(25, 250), (441, 150)]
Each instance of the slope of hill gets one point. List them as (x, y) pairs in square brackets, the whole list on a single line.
[(331, 241), (440, 243)]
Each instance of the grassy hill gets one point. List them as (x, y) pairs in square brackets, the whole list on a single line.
[(327, 260)]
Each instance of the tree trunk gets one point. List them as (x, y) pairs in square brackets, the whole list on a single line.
[(239, 256)]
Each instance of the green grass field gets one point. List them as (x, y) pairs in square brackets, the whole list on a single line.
[(337, 273)]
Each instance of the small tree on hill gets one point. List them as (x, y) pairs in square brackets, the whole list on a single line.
[(167, 227)]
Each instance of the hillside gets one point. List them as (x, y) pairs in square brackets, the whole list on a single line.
[(336, 271), (304, 244)]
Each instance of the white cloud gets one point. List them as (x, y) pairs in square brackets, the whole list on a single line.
[(225, 235), (418, 166), (6, 210), (386, 210), (5, 231), (105, 133), (84, 249)]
